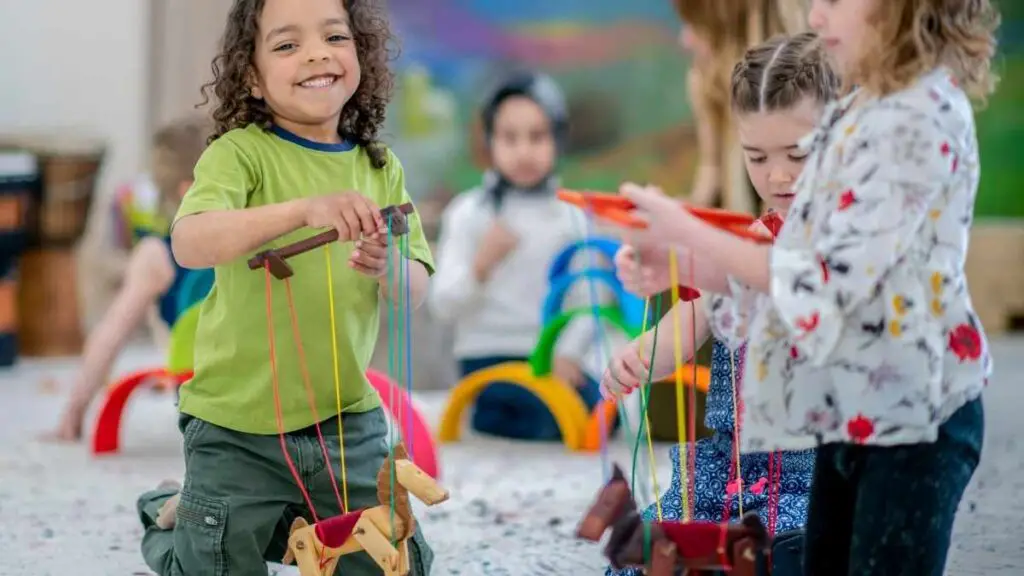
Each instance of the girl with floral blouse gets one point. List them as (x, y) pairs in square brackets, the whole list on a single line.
[(861, 336), (778, 91)]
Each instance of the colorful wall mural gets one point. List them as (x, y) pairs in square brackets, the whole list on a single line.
[(624, 77)]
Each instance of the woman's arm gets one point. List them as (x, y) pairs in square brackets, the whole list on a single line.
[(707, 178), (206, 239)]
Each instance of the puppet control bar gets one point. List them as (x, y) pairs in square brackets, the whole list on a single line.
[(395, 214)]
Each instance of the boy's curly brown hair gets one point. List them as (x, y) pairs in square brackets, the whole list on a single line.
[(362, 116), (912, 37)]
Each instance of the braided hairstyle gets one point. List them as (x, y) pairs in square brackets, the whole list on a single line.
[(779, 73)]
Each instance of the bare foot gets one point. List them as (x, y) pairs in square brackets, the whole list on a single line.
[(68, 430), (169, 485), (167, 517)]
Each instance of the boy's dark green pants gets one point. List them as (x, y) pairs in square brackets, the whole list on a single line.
[(239, 497)]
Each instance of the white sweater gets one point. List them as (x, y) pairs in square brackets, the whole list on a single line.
[(503, 316)]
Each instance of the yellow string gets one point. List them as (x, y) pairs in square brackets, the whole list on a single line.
[(337, 375), (677, 331), (736, 432), (647, 418)]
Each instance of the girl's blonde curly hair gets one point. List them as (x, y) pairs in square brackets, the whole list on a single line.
[(912, 37)]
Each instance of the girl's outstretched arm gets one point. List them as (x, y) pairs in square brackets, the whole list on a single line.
[(683, 317)]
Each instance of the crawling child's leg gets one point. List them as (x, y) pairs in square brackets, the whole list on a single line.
[(150, 273)]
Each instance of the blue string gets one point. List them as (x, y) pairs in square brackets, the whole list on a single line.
[(601, 343), (391, 367), (408, 345)]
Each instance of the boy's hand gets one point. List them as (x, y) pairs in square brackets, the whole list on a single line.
[(350, 213), (495, 246), (370, 256)]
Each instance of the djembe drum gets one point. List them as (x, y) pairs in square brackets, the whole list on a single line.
[(48, 298), (19, 178)]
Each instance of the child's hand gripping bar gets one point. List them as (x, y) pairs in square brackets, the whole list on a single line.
[(619, 209), (275, 258)]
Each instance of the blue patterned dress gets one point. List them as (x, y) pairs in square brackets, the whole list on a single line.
[(714, 460)]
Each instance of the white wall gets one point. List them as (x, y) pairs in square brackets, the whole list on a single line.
[(78, 66)]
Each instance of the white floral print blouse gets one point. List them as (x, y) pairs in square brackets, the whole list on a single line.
[(869, 335)]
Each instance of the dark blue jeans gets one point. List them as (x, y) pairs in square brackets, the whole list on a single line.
[(889, 510), (510, 411)]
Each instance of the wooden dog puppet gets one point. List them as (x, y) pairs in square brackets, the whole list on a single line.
[(383, 535)]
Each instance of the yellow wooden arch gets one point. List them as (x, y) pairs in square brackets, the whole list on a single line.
[(565, 404)]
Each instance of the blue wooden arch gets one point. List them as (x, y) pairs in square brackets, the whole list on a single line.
[(560, 264), (562, 280), (631, 306)]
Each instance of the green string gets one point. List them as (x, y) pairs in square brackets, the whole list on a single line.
[(647, 543), (645, 392)]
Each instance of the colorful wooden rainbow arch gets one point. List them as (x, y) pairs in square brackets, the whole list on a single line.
[(565, 404)]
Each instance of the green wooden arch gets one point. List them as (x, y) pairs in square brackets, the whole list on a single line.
[(182, 342), (543, 354)]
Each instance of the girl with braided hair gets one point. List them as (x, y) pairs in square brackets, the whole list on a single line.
[(778, 91)]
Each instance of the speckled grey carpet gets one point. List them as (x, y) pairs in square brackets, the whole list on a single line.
[(512, 512)]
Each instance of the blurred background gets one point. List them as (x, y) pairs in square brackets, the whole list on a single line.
[(84, 86), (91, 82)]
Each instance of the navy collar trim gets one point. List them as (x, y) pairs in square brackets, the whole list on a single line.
[(343, 146)]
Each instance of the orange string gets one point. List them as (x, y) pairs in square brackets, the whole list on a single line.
[(309, 391), (277, 396)]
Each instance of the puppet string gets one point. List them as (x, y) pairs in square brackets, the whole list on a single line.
[(337, 376)]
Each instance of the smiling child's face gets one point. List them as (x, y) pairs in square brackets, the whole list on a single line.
[(769, 141), (306, 65)]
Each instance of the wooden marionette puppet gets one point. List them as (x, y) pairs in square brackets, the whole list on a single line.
[(725, 29), (381, 531)]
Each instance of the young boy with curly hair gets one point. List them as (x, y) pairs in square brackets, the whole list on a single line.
[(302, 87)]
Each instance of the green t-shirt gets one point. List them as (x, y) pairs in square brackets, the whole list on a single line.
[(233, 382)]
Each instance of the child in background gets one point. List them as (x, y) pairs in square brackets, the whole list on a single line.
[(302, 87), (861, 337), (151, 279), (496, 244), (778, 92)]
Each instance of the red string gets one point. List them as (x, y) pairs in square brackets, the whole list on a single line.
[(692, 432), (277, 396), (775, 482), (309, 392)]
